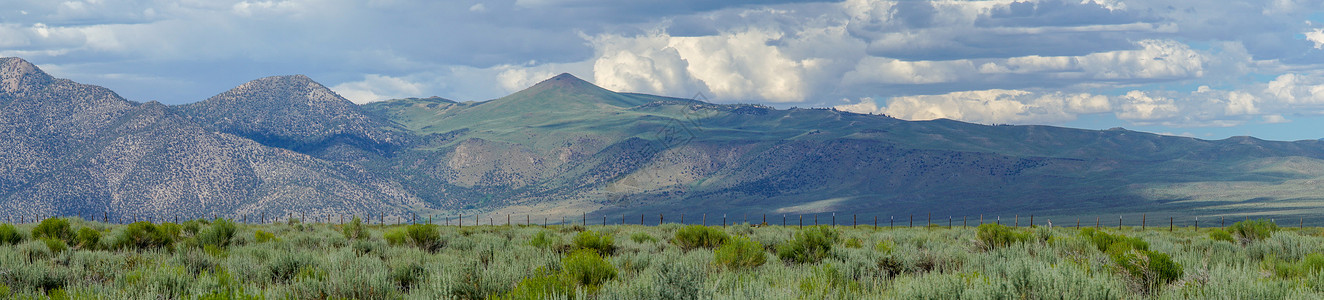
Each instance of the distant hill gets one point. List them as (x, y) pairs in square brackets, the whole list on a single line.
[(565, 146)]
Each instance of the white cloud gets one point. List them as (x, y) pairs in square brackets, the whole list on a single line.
[(742, 65), (865, 106), (1316, 36), (1275, 119), (516, 78), (251, 8), (892, 71), (644, 64), (478, 8), (988, 106), (1156, 59), (375, 87), (739, 65), (1140, 106)]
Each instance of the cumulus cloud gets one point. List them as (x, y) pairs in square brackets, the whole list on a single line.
[(375, 87), (1144, 107), (736, 65), (644, 64), (988, 106), (1316, 36), (514, 79)]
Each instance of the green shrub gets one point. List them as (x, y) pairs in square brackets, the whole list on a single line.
[(853, 243), (544, 240), (640, 237), (9, 235), (1221, 235), (1312, 264), (88, 239), (141, 236), (362, 247), (173, 230), (218, 234), (1148, 267), (56, 245), (696, 236), (263, 236), (1254, 230), (993, 236), (540, 287), (396, 237), (885, 246), (587, 268), (354, 230), (55, 228), (191, 227), (740, 253), (424, 236), (34, 250), (1104, 241), (407, 276), (809, 245), (600, 242), (1163, 267), (286, 265)]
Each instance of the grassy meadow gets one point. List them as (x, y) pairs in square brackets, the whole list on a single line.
[(77, 259)]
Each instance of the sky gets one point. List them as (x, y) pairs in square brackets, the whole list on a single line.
[(1205, 69)]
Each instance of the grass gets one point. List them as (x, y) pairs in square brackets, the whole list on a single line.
[(319, 261)]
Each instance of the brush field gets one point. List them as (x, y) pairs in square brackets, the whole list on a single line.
[(200, 259)]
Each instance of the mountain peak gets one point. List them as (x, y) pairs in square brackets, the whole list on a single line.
[(16, 73), (292, 112), (564, 80)]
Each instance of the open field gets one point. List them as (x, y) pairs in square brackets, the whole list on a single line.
[(222, 260)]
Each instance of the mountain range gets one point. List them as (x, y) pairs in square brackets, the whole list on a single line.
[(286, 145)]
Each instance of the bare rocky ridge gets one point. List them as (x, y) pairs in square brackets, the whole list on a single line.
[(73, 149), (296, 113)]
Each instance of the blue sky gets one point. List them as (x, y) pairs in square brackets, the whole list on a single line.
[(1207, 69)]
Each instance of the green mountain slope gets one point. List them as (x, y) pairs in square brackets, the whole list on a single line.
[(565, 143)]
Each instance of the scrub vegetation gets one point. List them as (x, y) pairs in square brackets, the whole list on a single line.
[(221, 259)]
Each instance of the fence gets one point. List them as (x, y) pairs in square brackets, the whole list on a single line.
[(644, 219)]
